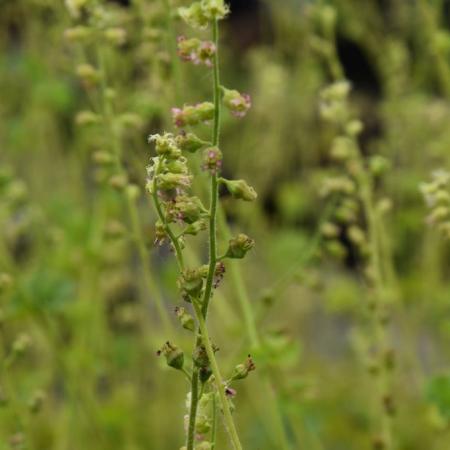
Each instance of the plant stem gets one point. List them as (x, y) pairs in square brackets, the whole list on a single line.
[(193, 410), (202, 311), (214, 423), (380, 335), (214, 180), (229, 423), (173, 238), (212, 234)]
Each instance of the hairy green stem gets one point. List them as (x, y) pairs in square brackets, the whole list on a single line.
[(228, 418), (193, 409), (202, 311), (214, 423), (214, 180)]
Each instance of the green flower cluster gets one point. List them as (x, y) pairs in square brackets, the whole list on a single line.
[(437, 196)]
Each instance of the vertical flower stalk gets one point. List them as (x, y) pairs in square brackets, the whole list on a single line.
[(358, 218), (93, 29), (180, 215)]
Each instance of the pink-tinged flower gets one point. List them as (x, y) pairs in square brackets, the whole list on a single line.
[(196, 51), (212, 160), (187, 48), (193, 114), (178, 117), (237, 103), (206, 53), (230, 392), (241, 105)]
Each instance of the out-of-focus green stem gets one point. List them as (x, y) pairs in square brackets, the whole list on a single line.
[(136, 226)]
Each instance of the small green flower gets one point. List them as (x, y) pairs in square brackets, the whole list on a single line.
[(186, 320), (174, 356), (239, 246), (239, 189)]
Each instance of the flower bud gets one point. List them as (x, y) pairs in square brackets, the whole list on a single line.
[(337, 91), (132, 191), (204, 374), (212, 160), (239, 246), (200, 357), (186, 320), (118, 181), (174, 356), (356, 235), (77, 34), (194, 16), (103, 158), (196, 51), (327, 17), (187, 48), (333, 106), (176, 165), (21, 345), (88, 74), (116, 36), (241, 371), (193, 114), (343, 148), (169, 181), (214, 9), (329, 230), (191, 282), (36, 402), (189, 142), (205, 111), (239, 189), (131, 120), (345, 214), (206, 52), (84, 118), (378, 165), (354, 128), (439, 213), (187, 209), (336, 249), (194, 228), (165, 145), (76, 7), (337, 185), (151, 34), (237, 103), (160, 233)]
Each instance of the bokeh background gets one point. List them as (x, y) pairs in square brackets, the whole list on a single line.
[(78, 323)]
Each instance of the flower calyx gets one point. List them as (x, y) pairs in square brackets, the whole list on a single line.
[(240, 189), (239, 246), (174, 355)]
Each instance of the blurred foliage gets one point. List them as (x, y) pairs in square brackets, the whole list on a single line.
[(78, 326)]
